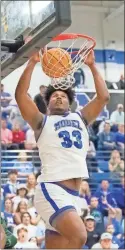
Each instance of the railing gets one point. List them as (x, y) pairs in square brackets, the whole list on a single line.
[(97, 165)]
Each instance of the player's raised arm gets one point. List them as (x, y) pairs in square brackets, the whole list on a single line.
[(27, 107), (91, 111)]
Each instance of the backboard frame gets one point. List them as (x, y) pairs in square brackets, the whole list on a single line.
[(41, 37)]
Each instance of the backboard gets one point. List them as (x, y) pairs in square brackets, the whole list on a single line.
[(37, 21)]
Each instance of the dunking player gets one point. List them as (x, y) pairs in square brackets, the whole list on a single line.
[(62, 140)]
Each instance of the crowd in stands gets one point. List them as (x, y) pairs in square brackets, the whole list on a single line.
[(102, 196)]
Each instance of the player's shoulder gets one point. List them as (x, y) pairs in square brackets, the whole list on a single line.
[(78, 115)]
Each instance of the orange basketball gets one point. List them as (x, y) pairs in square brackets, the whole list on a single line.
[(56, 62)]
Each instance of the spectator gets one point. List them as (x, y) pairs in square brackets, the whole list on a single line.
[(97, 213), (31, 184), (24, 167), (105, 196), (92, 135), (120, 196), (15, 115), (116, 164), (6, 137), (93, 235), (106, 140), (121, 82), (22, 240), (5, 97), (105, 242), (39, 100), (91, 158), (117, 116), (10, 188), (18, 135), (21, 196), (8, 214), (30, 142), (85, 191), (26, 223), (111, 229), (21, 208), (120, 137)]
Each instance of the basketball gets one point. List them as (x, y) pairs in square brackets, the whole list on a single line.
[(56, 62)]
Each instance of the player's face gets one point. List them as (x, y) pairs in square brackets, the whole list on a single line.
[(58, 103)]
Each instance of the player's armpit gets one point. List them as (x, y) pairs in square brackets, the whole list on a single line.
[(29, 110), (92, 110)]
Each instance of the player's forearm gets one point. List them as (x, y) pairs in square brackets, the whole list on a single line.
[(25, 79), (100, 85)]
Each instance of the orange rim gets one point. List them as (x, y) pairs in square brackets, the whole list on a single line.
[(70, 36)]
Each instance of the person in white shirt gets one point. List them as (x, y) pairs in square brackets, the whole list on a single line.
[(30, 141), (26, 223), (105, 242), (22, 242), (21, 196), (117, 116)]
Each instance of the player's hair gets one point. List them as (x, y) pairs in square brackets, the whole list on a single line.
[(50, 90)]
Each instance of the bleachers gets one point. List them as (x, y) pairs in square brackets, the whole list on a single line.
[(9, 157)]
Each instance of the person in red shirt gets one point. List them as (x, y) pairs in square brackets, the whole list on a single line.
[(6, 137), (18, 135)]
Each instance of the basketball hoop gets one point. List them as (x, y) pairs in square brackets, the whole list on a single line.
[(85, 45)]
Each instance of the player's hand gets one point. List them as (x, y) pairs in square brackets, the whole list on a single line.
[(35, 57), (90, 59)]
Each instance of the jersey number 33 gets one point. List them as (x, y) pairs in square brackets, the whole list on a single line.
[(71, 139)]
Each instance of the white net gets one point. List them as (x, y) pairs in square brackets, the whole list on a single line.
[(77, 59)]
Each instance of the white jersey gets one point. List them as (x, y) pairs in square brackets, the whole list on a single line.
[(63, 146)]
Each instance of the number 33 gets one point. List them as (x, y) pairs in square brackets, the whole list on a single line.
[(67, 142)]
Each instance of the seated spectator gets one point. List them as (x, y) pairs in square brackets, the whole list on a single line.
[(22, 240), (24, 167), (92, 135), (117, 116), (105, 242), (15, 115), (85, 191), (31, 184), (121, 82), (8, 214), (111, 229), (106, 139), (97, 213), (116, 165), (120, 137), (18, 136), (91, 158), (120, 196), (6, 137), (30, 142), (26, 223), (21, 196), (10, 188), (107, 199), (5, 100), (93, 235), (21, 208), (104, 194)]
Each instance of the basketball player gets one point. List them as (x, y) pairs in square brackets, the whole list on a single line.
[(63, 141)]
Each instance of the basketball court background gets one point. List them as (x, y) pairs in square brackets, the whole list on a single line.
[(103, 20)]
